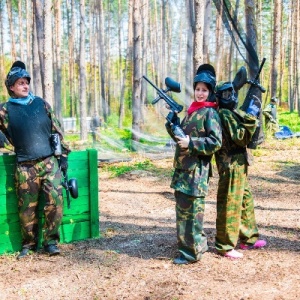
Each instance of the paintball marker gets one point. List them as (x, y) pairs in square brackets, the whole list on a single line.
[(70, 186), (254, 85), (258, 135), (175, 108)]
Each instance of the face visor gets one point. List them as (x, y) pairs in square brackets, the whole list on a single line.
[(227, 96)]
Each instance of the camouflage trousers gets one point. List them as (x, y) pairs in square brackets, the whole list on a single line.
[(191, 238), (31, 179), (235, 210)]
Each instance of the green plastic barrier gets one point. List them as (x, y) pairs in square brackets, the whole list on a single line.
[(80, 222)]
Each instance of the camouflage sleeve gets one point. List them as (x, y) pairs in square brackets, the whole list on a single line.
[(4, 122), (267, 112), (212, 141), (239, 129), (56, 128)]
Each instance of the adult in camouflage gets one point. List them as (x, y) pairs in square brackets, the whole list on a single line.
[(192, 158), (235, 206), (28, 121)]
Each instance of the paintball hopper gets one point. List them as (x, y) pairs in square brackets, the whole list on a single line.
[(172, 85), (240, 79), (73, 187)]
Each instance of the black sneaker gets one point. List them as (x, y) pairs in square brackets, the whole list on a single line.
[(181, 260), (25, 252), (51, 250)]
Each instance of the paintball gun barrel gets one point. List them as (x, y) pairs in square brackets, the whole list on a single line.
[(175, 108), (254, 86), (252, 93)]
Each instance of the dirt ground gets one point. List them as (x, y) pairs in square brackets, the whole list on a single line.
[(133, 258)]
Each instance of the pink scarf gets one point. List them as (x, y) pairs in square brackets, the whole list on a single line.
[(197, 105)]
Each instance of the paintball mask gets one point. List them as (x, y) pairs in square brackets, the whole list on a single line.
[(227, 96), (227, 93), (14, 74)]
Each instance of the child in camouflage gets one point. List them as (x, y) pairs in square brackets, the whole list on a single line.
[(192, 166)]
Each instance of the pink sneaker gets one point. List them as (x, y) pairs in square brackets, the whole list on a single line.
[(257, 245), (233, 254)]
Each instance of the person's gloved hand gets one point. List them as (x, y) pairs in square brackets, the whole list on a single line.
[(183, 143), (64, 163), (253, 109)]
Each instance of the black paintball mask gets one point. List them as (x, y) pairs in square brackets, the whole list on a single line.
[(227, 92), (227, 96)]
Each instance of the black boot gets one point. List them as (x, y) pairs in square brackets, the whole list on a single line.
[(52, 250), (25, 251)]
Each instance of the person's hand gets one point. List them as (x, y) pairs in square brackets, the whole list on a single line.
[(253, 109), (183, 143), (64, 163)]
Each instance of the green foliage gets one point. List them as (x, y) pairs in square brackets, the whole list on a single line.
[(145, 165), (119, 170), (291, 120)]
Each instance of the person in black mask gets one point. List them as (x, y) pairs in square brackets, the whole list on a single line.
[(30, 125), (235, 205)]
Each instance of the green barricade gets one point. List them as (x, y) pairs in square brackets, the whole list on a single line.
[(80, 221)]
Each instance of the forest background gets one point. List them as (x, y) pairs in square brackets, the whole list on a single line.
[(87, 57)]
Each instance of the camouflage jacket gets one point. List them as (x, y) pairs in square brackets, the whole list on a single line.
[(270, 113), (56, 127), (238, 129), (192, 165)]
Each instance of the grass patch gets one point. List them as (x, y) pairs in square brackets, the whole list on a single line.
[(145, 165), (292, 120)]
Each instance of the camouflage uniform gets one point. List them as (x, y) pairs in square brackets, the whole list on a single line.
[(271, 124), (235, 207), (31, 177), (190, 179)]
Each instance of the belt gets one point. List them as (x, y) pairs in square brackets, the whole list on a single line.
[(237, 151), (37, 160)]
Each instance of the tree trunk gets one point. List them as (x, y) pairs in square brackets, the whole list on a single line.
[(21, 40), (57, 65), (207, 33), (144, 84), (37, 84), (136, 100), (276, 47), (82, 75), (128, 58), (198, 34), (29, 29), (11, 30), (102, 61), (189, 72), (39, 25), (48, 58), (2, 71)]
